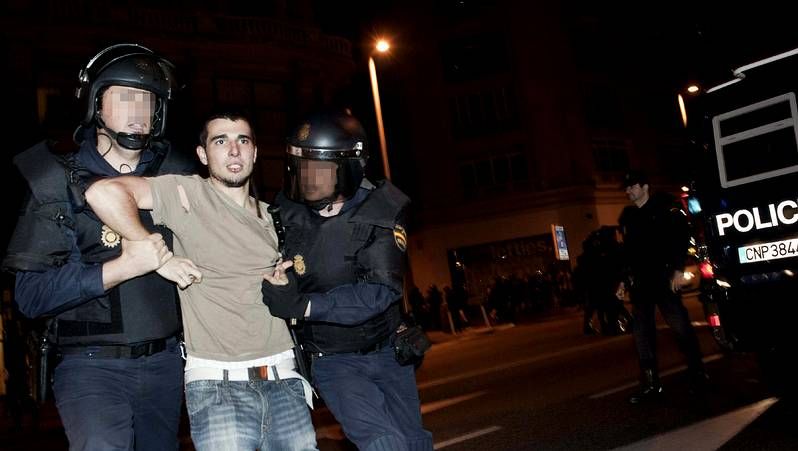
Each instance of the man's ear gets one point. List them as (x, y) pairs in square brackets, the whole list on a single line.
[(203, 157), (255, 155)]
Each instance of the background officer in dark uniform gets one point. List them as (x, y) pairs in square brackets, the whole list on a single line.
[(346, 240), (118, 383), (656, 237)]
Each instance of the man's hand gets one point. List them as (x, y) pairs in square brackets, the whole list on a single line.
[(144, 256), (181, 271), (281, 295), (279, 276)]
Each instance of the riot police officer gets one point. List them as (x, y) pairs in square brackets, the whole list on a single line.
[(346, 240), (118, 382)]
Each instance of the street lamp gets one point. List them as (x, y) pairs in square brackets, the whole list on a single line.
[(381, 46)]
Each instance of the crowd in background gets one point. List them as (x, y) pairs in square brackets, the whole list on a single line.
[(591, 285)]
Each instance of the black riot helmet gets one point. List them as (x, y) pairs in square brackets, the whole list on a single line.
[(129, 65), (325, 159)]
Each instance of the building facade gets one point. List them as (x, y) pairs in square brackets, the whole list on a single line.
[(516, 123)]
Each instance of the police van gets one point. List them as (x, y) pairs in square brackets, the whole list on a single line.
[(744, 203)]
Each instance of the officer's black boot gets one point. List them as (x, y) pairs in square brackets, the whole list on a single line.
[(650, 387)]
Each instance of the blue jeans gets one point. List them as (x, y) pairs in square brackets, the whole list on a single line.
[(374, 398), (120, 404), (237, 415)]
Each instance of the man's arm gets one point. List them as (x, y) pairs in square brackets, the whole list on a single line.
[(50, 292), (348, 304), (680, 239), (116, 201), (352, 303)]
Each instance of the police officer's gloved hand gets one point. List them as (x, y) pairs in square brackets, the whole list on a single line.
[(284, 301)]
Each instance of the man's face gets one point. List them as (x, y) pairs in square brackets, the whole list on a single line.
[(128, 110), (229, 152), (637, 193), (317, 179)]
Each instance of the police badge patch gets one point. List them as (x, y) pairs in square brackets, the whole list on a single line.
[(400, 236), (299, 264), (109, 237)]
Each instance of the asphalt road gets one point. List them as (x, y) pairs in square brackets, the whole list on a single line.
[(544, 385)]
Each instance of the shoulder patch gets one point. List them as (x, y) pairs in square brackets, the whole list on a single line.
[(400, 236)]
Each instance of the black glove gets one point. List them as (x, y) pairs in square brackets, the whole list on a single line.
[(284, 301)]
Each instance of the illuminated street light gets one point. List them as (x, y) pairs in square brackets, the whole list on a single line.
[(692, 89), (381, 46)]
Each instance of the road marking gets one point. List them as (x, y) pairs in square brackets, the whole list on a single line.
[(465, 437), (675, 370), (550, 355), (444, 403), (707, 435), (527, 361)]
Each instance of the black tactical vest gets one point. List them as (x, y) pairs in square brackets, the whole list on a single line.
[(342, 250), (140, 309)]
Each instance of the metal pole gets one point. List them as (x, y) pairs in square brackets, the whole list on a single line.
[(380, 127)]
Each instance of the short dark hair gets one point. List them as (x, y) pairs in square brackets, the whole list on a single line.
[(203, 136), (635, 177)]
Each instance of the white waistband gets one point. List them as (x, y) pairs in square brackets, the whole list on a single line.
[(275, 359), (274, 372)]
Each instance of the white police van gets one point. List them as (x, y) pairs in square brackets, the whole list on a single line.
[(744, 202)]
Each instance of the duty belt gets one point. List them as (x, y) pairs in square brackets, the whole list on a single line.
[(376, 346), (362, 351), (132, 351)]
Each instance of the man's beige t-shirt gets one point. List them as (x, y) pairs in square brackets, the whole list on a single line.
[(224, 317)]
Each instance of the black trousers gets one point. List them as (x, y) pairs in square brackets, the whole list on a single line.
[(644, 328)]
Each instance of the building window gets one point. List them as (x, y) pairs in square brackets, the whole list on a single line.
[(611, 156), (474, 57), (483, 112), (501, 173)]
